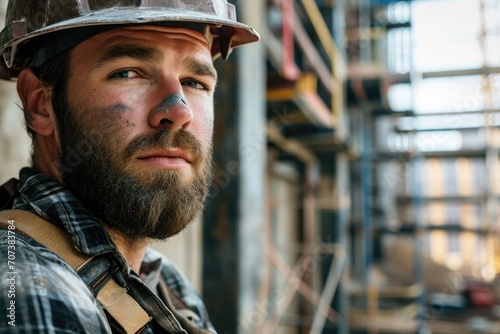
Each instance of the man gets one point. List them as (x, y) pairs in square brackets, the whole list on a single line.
[(118, 98)]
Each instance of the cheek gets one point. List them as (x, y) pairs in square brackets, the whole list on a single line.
[(110, 128), (204, 121), (116, 111), (113, 101), (110, 116)]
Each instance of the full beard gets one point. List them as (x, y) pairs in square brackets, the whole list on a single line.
[(156, 205)]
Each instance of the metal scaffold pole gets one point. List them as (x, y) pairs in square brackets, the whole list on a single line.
[(418, 209)]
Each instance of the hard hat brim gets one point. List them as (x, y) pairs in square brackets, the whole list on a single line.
[(241, 33)]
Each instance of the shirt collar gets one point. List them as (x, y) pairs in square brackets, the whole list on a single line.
[(55, 203)]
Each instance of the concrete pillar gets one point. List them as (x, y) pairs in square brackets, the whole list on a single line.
[(233, 222)]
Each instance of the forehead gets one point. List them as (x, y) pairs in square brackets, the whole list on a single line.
[(182, 40)]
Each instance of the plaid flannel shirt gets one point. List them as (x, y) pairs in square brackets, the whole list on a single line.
[(48, 295)]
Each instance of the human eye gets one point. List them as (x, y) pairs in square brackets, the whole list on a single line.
[(124, 74), (195, 84)]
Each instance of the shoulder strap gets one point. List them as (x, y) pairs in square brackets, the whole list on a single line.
[(123, 309)]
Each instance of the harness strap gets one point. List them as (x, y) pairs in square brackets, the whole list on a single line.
[(123, 309)]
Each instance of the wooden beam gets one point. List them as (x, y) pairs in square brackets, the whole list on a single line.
[(291, 146), (304, 93)]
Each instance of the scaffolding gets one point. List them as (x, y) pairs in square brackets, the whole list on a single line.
[(404, 200), (300, 290), (352, 203)]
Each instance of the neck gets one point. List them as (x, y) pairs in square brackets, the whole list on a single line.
[(133, 250), (46, 158)]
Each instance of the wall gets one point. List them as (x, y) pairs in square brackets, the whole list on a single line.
[(14, 142)]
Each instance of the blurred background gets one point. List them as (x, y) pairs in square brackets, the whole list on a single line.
[(357, 174)]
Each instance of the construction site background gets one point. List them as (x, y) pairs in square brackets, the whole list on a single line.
[(357, 170)]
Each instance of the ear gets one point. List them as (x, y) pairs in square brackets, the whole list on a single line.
[(37, 103)]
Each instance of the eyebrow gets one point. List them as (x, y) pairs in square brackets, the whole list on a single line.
[(128, 51), (199, 67), (143, 53)]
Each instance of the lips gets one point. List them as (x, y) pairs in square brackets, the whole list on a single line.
[(172, 158)]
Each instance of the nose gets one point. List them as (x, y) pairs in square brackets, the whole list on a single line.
[(173, 113)]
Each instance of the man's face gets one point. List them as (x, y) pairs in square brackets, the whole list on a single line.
[(136, 139)]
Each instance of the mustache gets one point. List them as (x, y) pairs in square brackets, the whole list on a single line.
[(165, 139)]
